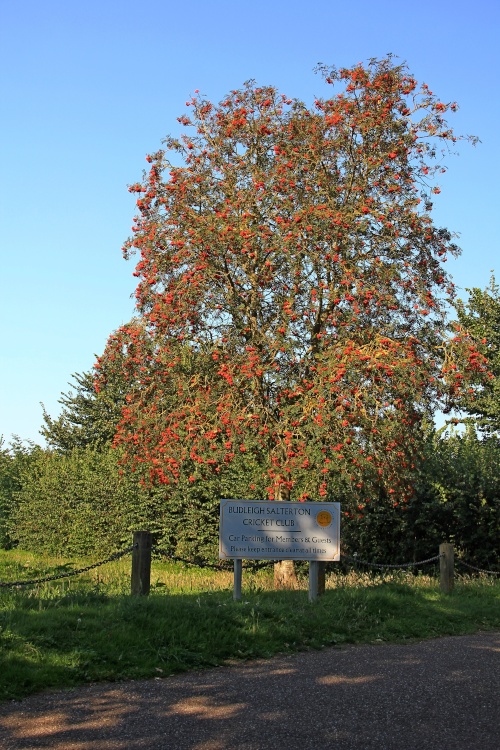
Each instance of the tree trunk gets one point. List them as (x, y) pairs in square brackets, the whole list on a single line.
[(285, 576)]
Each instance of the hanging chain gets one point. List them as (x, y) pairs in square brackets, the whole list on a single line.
[(194, 563), (69, 574), (387, 565), (481, 570), (199, 564), (257, 565)]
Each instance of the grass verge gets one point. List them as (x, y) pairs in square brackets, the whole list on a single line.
[(88, 628)]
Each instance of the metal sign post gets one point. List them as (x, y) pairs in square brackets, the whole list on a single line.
[(238, 567)]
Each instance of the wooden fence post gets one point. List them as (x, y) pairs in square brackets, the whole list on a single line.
[(141, 563), (446, 567)]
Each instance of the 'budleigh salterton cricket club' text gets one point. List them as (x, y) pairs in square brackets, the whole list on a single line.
[(279, 530)]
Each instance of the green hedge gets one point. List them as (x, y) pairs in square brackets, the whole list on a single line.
[(80, 503), (77, 503)]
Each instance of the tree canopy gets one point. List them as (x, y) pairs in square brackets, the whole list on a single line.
[(481, 316), (291, 292), (89, 417)]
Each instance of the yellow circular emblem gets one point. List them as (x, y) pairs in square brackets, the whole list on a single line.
[(324, 518)]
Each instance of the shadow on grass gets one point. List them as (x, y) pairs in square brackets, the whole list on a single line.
[(63, 641), (355, 697)]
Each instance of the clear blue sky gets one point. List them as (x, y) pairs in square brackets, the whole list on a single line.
[(88, 89)]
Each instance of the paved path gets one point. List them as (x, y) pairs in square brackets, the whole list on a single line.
[(442, 694)]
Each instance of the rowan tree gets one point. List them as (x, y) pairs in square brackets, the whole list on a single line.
[(292, 296)]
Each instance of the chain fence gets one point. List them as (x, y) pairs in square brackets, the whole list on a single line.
[(383, 566), (401, 566), (68, 573), (480, 570), (253, 566), (213, 566), (257, 565)]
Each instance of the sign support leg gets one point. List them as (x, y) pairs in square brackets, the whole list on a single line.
[(313, 580), (238, 567)]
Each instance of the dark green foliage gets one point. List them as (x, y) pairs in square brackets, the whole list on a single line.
[(456, 499), (80, 502), (191, 517), (481, 315)]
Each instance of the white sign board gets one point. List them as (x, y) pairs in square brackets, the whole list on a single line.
[(258, 530)]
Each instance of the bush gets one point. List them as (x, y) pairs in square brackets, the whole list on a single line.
[(14, 461), (77, 503), (456, 499), (80, 503)]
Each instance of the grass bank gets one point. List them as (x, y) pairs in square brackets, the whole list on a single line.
[(88, 628)]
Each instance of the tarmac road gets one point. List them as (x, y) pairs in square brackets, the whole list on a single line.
[(442, 694)]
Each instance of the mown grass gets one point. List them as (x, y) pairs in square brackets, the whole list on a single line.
[(88, 628)]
